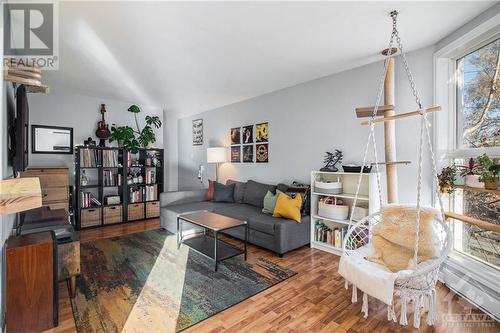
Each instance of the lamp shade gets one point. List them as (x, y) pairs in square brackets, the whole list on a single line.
[(217, 155)]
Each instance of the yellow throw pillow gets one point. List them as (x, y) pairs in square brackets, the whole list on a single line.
[(288, 207)]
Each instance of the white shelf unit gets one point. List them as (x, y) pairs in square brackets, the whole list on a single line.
[(367, 198)]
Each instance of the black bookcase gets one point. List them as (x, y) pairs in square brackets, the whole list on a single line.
[(102, 167)]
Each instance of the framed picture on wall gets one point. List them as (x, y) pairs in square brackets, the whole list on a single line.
[(247, 134), (248, 153), (236, 154), (51, 139), (235, 135), (197, 132), (262, 153), (262, 132)]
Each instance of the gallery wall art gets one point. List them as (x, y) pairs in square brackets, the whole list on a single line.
[(235, 135), (250, 143), (236, 154), (197, 132)]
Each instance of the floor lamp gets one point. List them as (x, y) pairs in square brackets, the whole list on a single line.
[(217, 155)]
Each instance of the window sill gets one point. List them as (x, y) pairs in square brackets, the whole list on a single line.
[(473, 280)]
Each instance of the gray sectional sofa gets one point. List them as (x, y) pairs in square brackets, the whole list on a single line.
[(276, 234)]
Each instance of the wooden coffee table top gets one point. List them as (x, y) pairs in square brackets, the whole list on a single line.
[(212, 221)]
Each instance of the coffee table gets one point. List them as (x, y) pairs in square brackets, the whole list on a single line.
[(211, 246)]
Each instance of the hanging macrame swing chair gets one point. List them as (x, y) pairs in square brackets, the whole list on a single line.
[(417, 283)]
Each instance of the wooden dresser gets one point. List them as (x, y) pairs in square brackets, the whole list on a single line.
[(55, 185), (31, 265)]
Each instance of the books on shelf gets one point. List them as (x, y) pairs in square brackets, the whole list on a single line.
[(150, 176), (331, 236), (110, 158), (89, 158), (111, 178), (136, 194), (88, 199), (151, 192)]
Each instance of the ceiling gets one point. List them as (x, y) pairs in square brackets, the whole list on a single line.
[(188, 57)]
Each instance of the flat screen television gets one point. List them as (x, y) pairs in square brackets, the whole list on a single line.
[(18, 122)]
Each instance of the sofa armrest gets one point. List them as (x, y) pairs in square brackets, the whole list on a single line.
[(181, 197)]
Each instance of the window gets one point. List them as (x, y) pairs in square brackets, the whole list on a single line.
[(467, 83), (477, 127), (478, 97)]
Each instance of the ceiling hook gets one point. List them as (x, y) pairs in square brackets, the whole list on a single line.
[(393, 13)]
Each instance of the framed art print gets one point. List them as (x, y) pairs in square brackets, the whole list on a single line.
[(235, 135), (235, 154), (262, 132), (247, 134), (197, 132), (262, 153), (248, 154)]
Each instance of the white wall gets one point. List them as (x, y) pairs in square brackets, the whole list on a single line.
[(308, 119), (63, 108)]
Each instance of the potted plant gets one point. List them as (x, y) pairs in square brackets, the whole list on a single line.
[(133, 139), (471, 173), (489, 172), (447, 179)]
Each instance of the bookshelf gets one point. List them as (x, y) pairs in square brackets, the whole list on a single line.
[(115, 186), (327, 233)]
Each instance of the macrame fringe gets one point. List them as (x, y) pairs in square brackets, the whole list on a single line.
[(364, 307), (417, 307), (403, 320), (391, 314), (354, 298), (432, 314)]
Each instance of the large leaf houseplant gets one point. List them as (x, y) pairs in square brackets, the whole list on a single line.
[(133, 139)]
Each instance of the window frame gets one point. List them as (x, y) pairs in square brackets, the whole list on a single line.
[(476, 276)]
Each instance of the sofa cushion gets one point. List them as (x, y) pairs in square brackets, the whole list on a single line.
[(239, 189), (255, 193), (270, 202), (251, 214), (223, 193), (210, 191), (171, 211)]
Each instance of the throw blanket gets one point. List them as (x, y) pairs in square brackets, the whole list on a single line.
[(372, 278)]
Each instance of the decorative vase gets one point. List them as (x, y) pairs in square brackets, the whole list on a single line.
[(473, 181), (492, 185)]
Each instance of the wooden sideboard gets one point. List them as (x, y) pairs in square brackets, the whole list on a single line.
[(55, 185), (31, 284)]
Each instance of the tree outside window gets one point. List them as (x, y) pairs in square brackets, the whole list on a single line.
[(478, 98)]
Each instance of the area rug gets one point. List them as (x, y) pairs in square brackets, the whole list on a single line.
[(142, 283)]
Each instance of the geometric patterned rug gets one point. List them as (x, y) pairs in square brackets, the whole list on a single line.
[(142, 283)]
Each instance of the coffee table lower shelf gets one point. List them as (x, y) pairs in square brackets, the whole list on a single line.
[(205, 245)]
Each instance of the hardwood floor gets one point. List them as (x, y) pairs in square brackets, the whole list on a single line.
[(314, 300)]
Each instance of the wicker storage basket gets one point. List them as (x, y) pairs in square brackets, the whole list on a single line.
[(329, 208)]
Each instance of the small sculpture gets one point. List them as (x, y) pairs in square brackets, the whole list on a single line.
[(330, 160)]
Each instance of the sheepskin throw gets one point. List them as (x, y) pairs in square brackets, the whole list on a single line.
[(394, 237)]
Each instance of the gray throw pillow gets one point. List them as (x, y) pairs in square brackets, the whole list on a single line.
[(223, 193), (239, 189), (255, 193)]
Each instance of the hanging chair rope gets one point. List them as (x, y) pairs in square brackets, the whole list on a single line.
[(424, 130)]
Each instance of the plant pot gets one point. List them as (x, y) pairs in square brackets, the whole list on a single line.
[(492, 185), (446, 189), (459, 180), (473, 181)]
